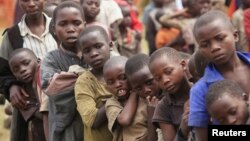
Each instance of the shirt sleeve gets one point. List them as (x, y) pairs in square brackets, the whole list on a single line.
[(85, 99), (6, 76), (198, 115), (113, 109), (162, 114)]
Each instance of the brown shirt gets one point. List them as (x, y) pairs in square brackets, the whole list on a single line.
[(137, 131), (168, 111)]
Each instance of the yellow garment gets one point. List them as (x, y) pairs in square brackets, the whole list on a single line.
[(137, 131), (89, 94)]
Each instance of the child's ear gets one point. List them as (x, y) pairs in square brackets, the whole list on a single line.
[(111, 45), (236, 35), (184, 64), (245, 96)]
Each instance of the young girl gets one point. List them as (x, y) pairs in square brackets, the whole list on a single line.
[(68, 22), (90, 89)]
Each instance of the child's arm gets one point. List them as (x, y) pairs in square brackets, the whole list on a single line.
[(127, 114), (151, 102), (168, 131), (100, 119)]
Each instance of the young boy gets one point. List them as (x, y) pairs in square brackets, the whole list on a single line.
[(31, 32), (143, 84), (23, 64), (169, 71), (216, 37), (90, 90), (227, 103), (123, 112)]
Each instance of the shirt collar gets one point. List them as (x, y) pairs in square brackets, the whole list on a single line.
[(24, 29), (212, 74)]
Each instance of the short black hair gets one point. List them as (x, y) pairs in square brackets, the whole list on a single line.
[(168, 52), (135, 63), (200, 63), (222, 87), (185, 55), (211, 16), (67, 4), (114, 61), (19, 50), (92, 28)]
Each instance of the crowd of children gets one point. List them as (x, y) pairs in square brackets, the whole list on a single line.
[(75, 71)]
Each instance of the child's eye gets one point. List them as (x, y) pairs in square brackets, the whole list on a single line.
[(138, 89), (219, 38), (122, 77), (157, 78), (110, 82), (168, 71), (26, 62), (62, 23), (233, 111), (149, 82), (77, 23), (204, 45), (86, 50), (98, 46)]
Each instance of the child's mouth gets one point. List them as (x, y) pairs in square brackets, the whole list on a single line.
[(121, 92)]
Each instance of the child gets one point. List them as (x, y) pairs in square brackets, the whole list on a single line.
[(169, 71), (23, 64), (143, 84), (128, 43), (91, 9), (216, 37), (31, 32), (90, 89), (227, 103), (68, 22), (122, 110)]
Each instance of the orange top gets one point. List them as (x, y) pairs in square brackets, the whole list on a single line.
[(165, 36)]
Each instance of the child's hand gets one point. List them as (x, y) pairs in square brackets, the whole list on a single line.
[(184, 123), (152, 101), (17, 97)]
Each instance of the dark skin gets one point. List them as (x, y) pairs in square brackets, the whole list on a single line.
[(143, 84), (95, 49), (171, 78), (117, 83), (219, 47), (36, 23), (68, 25)]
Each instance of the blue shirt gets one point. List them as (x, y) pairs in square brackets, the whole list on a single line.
[(198, 115)]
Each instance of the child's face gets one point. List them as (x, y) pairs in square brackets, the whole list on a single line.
[(116, 81), (230, 110), (142, 82), (91, 8), (68, 25), (199, 7), (23, 66), (95, 49), (126, 21), (31, 7), (168, 74), (216, 42)]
